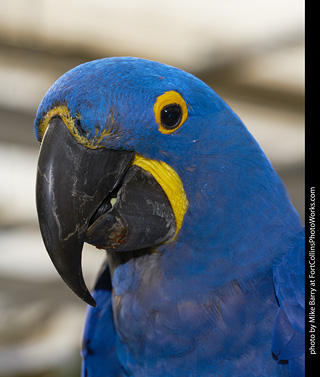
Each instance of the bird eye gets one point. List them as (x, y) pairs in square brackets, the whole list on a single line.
[(171, 116), (170, 111)]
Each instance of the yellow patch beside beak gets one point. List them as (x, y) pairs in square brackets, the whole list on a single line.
[(171, 184)]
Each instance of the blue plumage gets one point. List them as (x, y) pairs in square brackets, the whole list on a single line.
[(98, 348), (228, 290), (288, 341)]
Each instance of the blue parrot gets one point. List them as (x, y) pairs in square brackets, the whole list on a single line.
[(204, 270)]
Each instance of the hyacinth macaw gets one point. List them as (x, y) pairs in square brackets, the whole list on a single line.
[(204, 271)]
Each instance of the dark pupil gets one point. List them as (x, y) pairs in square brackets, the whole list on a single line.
[(171, 116)]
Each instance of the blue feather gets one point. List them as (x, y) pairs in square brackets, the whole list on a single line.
[(288, 339), (99, 352)]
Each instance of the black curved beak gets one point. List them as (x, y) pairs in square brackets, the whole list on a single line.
[(72, 182)]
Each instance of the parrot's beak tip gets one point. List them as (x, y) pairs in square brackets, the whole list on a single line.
[(90, 301)]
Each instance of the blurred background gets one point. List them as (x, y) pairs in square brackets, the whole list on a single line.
[(251, 52)]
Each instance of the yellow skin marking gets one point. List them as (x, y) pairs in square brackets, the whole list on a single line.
[(164, 174), (165, 99), (63, 112), (171, 184)]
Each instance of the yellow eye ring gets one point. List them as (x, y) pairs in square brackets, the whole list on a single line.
[(170, 111)]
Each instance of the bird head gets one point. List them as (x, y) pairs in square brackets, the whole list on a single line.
[(136, 154)]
